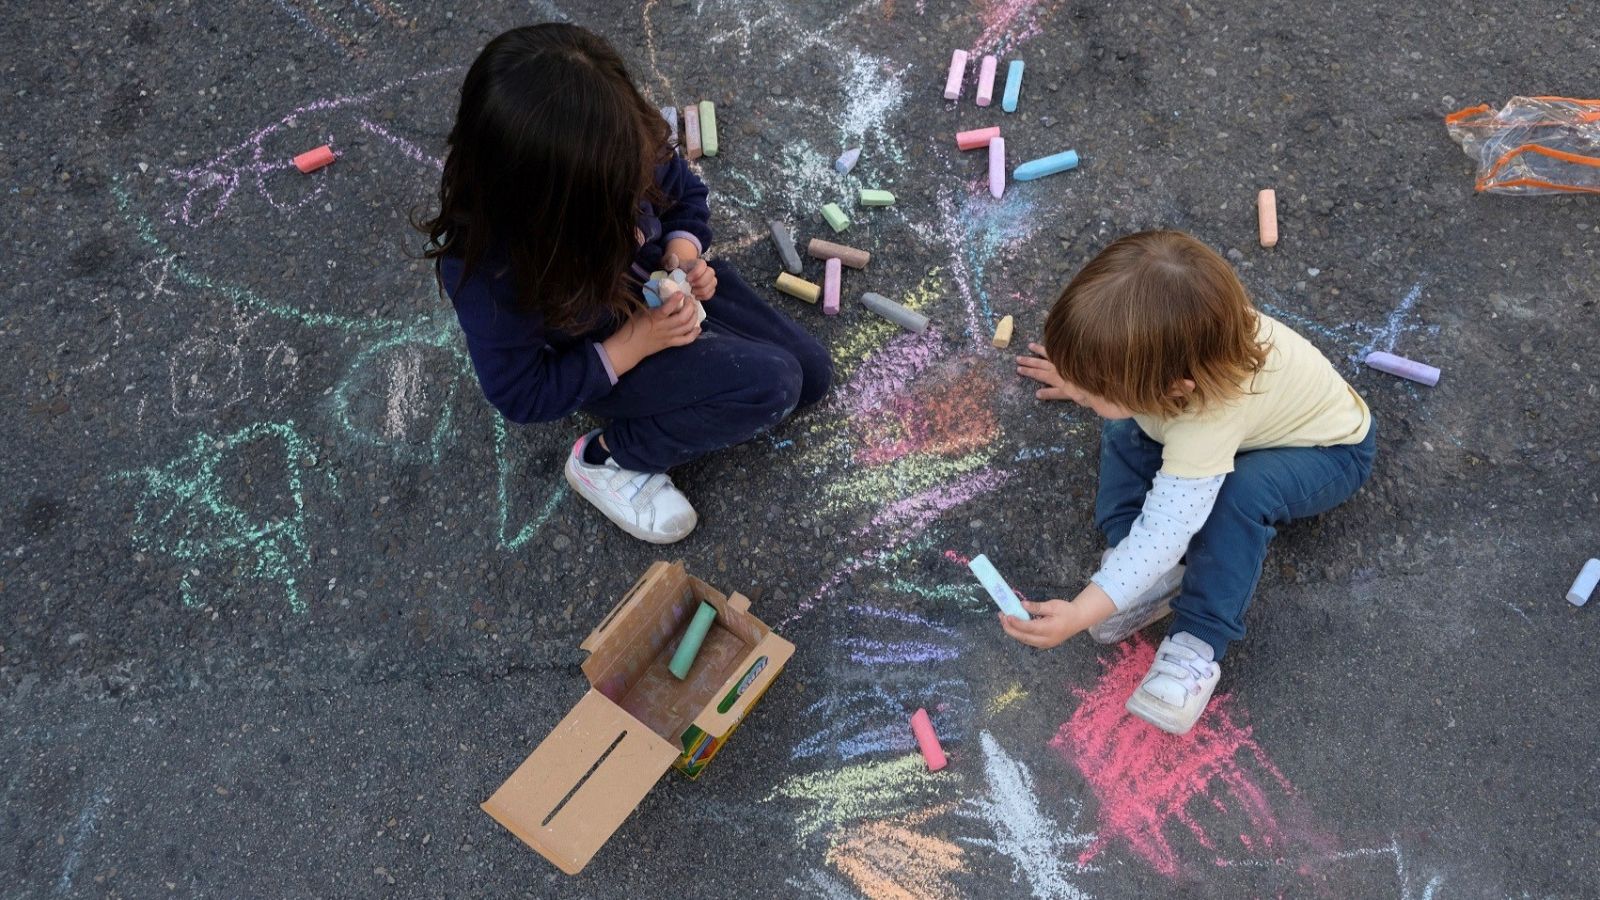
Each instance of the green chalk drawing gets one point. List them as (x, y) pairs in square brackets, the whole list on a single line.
[(530, 528), (241, 295), (182, 512)]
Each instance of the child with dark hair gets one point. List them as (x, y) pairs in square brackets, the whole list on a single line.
[(560, 195), (1223, 425)]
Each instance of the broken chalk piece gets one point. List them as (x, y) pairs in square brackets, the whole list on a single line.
[(978, 137), (1013, 86), (1267, 216), (1002, 333), (1422, 373), (691, 132), (798, 288), (986, 80), (693, 637), (911, 321), (670, 114), (928, 741), (958, 70), (997, 167), (837, 220), (785, 244), (832, 274), (850, 256), (1001, 592), (847, 161), (876, 198), (1046, 165), (1588, 577), (708, 127), (312, 160)]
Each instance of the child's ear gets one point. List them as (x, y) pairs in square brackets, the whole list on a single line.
[(1182, 388)]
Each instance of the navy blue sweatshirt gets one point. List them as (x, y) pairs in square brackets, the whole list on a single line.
[(536, 374)]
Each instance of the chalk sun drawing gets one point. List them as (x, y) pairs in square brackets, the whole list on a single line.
[(184, 511), (1149, 783), (1037, 846), (889, 859), (875, 718), (868, 790)]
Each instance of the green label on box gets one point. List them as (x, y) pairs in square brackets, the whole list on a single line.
[(743, 685)]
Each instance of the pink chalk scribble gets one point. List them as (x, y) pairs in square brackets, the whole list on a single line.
[(1149, 783), (1007, 24)]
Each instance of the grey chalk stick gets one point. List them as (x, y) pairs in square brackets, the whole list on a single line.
[(911, 321), (785, 243)]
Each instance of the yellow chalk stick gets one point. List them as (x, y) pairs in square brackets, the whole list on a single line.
[(1002, 333), (798, 288)]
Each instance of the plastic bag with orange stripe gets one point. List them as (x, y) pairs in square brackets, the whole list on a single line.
[(1532, 145)]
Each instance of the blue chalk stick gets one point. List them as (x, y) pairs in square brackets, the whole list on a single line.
[(1049, 165), (651, 298), (1013, 86), (1001, 592)]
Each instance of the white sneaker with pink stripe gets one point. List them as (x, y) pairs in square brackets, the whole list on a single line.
[(645, 505)]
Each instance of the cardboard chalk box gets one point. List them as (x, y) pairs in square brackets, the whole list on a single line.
[(637, 720)]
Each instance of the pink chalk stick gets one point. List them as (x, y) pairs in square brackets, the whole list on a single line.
[(978, 137), (832, 274), (997, 167), (312, 160), (986, 81), (922, 727), (958, 69), (691, 132), (1421, 373)]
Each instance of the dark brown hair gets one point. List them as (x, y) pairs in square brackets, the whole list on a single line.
[(1151, 310), (552, 152)]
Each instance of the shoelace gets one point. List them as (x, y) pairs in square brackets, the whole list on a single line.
[(1185, 665)]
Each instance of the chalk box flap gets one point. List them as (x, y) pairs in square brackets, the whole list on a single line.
[(579, 785)]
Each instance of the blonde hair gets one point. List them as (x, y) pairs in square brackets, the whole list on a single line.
[(1151, 310)]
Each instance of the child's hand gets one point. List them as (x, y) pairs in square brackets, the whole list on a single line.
[(702, 278), (674, 323), (1043, 371), (1053, 622)]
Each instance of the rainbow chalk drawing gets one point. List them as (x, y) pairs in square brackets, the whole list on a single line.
[(890, 859), (863, 717), (869, 790), (1039, 849), (1148, 782), (1001, 592), (1013, 86)]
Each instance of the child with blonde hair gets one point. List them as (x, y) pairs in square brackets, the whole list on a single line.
[(1223, 425)]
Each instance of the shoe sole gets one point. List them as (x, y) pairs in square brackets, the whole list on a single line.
[(1158, 611), (1158, 714), (582, 490)]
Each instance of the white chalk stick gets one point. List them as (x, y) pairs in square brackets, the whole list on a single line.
[(1583, 587)]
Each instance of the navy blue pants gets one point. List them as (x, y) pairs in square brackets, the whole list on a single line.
[(1266, 488), (750, 368)]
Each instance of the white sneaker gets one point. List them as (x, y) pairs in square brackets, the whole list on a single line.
[(1178, 686), (644, 505), (1146, 609)]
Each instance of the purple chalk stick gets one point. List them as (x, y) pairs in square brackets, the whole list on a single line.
[(997, 167), (1422, 373)]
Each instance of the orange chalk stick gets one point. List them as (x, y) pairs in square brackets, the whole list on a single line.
[(978, 137), (312, 160), (1267, 216)]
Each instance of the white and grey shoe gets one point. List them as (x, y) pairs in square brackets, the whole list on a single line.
[(1146, 609), (643, 504), (1178, 686)]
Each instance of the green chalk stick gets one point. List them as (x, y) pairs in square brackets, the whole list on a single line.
[(693, 636), (835, 217), (876, 198), (708, 128)]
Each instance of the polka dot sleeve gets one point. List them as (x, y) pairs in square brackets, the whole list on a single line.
[(1174, 510)]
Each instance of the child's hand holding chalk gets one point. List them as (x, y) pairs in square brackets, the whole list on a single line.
[(1056, 620), (702, 278)]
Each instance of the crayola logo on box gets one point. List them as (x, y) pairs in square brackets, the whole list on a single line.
[(742, 686)]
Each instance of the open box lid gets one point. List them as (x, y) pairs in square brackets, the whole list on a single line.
[(578, 786)]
